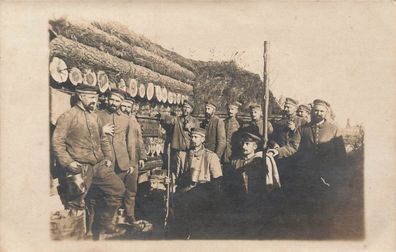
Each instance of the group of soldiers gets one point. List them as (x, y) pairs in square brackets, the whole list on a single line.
[(218, 166)]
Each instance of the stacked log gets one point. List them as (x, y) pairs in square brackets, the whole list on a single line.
[(90, 35), (83, 56), (132, 38)]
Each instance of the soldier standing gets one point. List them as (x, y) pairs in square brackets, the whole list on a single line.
[(319, 166), (180, 139), (256, 124), (284, 130), (215, 130), (121, 135), (80, 145), (127, 107), (231, 126)]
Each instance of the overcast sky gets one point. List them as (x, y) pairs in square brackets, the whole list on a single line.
[(333, 51)]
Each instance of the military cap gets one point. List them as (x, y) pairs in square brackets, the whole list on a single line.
[(321, 102), (188, 103), (234, 103), (254, 105), (86, 89), (250, 137), (304, 108), (198, 131), (291, 101), (118, 92), (129, 98), (211, 104)]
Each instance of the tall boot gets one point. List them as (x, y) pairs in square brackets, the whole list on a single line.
[(130, 204), (90, 209), (107, 226)]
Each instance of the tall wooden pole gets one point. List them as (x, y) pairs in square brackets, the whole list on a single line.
[(266, 94)]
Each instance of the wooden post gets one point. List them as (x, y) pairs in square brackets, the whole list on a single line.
[(266, 94), (168, 174)]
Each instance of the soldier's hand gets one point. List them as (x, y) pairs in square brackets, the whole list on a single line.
[(108, 163), (156, 114), (109, 129), (130, 170), (167, 180), (272, 152), (291, 125), (75, 167), (141, 163)]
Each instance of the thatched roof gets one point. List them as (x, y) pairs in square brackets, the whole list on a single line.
[(225, 81)]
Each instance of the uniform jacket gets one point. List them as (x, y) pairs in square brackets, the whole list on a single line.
[(258, 126), (248, 179), (182, 126), (123, 142), (231, 127), (321, 152), (282, 134), (201, 166), (215, 139), (78, 136), (137, 140)]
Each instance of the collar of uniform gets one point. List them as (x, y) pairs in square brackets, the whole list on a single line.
[(80, 106), (318, 125), (198, 152), (256, 122), (185, 117), (118, 112), (232, 118), (248, 158)]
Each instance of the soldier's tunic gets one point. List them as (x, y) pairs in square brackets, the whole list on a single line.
[(281, 133), (258, 126), (283, 136), (248, 181), (215, 138), (231, 127)]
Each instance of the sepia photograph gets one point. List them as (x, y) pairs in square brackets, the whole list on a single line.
[(207, 121)]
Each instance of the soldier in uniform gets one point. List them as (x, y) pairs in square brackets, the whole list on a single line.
[(127, 107), (284, 130), (232, 146), (124, 133), (319, 168), (81, 146), (231, 127), (180, 139), (215, 130), (200, 189), (304, 111), (248, 173), (256, 123)]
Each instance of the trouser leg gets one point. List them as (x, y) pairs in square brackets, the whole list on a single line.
[(180, 161), (113, 190), (130, 182)]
